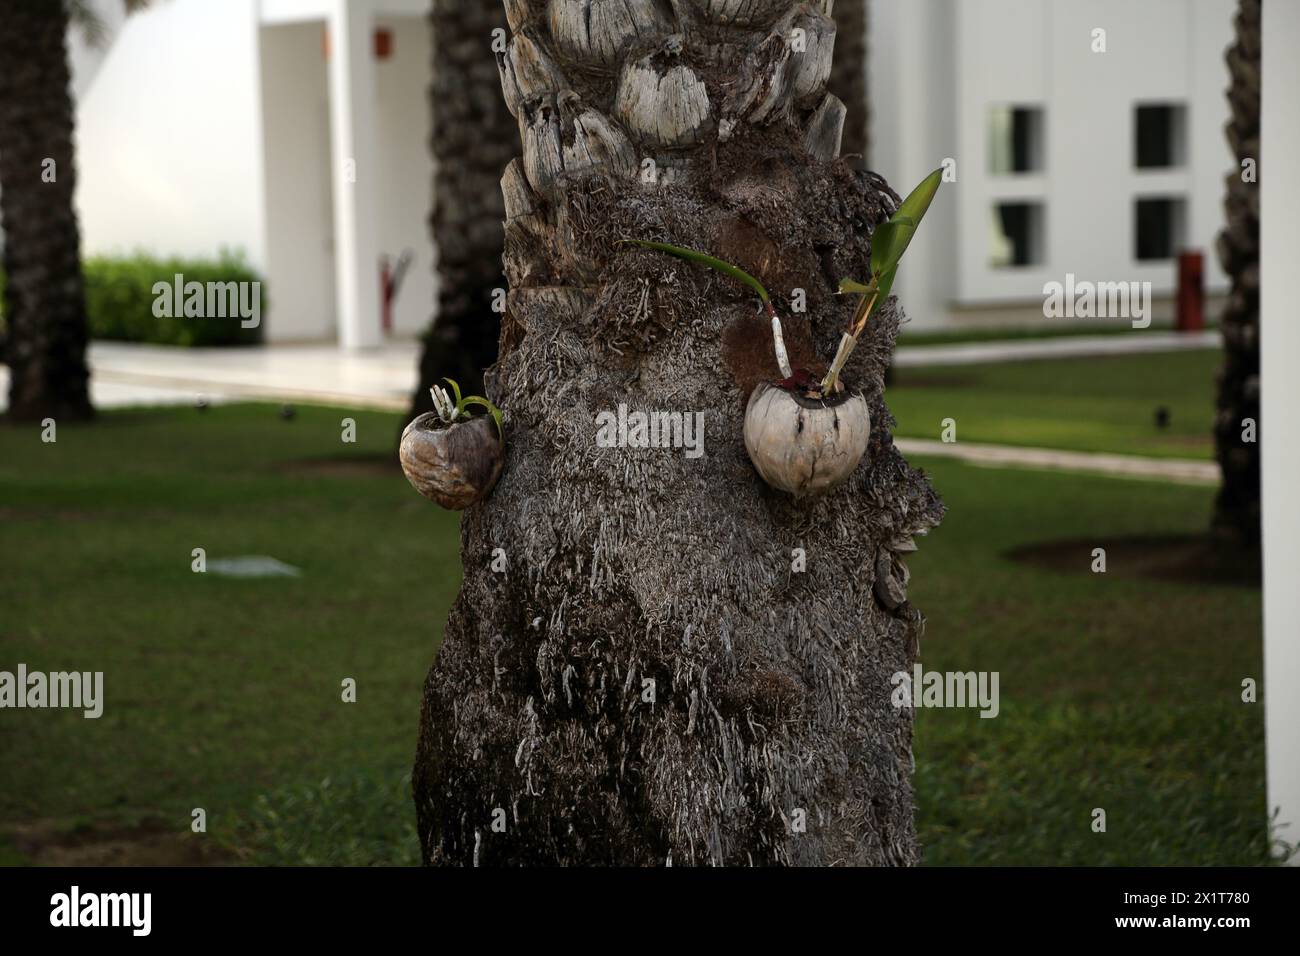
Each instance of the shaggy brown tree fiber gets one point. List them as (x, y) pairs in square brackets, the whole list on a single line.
[(657, 676)]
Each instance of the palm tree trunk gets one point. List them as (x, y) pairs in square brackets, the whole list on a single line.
[(849, 73), (655, 677), (44, 304), (474, 137), (1237, 507)]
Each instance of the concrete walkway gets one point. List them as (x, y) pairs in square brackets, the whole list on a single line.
[(1067, 346), (129, 374), (1181, 470)]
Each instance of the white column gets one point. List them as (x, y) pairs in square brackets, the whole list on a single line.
[(912, 49), (355, 170), (1280, 403)]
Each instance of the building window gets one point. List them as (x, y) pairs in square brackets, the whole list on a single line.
[(1017, 235), (1159, 224), (1159, 135), (1016, 139)]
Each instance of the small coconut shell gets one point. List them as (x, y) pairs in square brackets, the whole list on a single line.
[(454, 465), (805, 446)]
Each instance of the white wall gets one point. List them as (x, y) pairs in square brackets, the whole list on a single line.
[(169, 138), (403, 124), (911, 75), (299, 203), (389, 156), (1280, 397), (936, 67)]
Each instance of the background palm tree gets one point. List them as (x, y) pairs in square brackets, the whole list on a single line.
[(849, 74), (1237, 507), (654, 677), (474, 137), (44, 301)]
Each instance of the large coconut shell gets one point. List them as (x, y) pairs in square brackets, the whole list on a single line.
[(454, 465), (804, 446)]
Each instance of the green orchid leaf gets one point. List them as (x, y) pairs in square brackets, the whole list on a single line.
[(455, 388), (919, 199), (887, 244), (691, 255), (886, 283), (852, 285), (495, 412), (892, 237)]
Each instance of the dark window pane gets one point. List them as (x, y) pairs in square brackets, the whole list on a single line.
[(1015, 136), (1017, 234), (1159, 135), (1159, 228)]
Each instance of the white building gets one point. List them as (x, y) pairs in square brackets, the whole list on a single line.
[(211, 123), (296, 131), (1068, 159)]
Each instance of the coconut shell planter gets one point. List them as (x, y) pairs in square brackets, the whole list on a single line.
[(451, 457), (805, 446), (805, 433)]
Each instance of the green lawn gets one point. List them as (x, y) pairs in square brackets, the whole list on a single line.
[(225, 694), (1116, 692), (219, 691), (1084, 404)]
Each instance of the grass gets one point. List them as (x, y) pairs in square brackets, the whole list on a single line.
[(220, 692), (1100, 404), (1116, 693), (225, 693)]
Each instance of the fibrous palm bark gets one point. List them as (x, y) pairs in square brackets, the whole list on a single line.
[(1237, 507), (44, 303), (474, 137), (654, 675)]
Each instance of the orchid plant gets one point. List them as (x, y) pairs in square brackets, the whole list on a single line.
[(888, 243), (450, 411)]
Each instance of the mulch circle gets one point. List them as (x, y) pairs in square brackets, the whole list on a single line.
[(1188, 559)]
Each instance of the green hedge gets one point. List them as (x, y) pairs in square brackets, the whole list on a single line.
[(120, 300)]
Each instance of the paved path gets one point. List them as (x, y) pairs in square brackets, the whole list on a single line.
[(1182, 470), (1067, 346), (129, 374)]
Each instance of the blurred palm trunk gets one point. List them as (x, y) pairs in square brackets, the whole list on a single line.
[(849, 74), (1237, 507), (44, 301), (474, 137)]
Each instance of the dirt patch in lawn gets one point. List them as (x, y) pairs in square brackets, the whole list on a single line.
[(44, 843), (1190, 559)]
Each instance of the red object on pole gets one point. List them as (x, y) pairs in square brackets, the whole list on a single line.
[(1191, 291)]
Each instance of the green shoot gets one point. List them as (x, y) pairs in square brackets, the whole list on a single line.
[(449, 410), (740, 275), (888, 243)]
